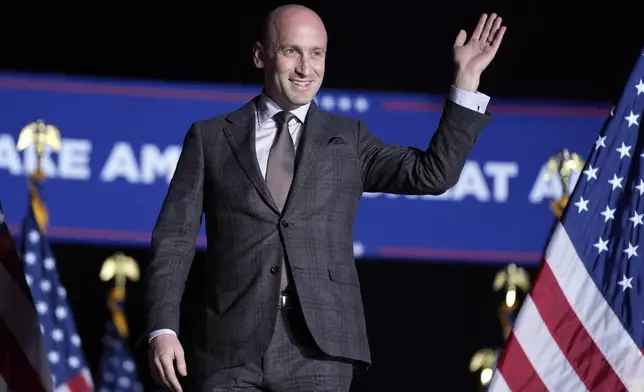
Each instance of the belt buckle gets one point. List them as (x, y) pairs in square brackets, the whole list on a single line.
[(285, 302)]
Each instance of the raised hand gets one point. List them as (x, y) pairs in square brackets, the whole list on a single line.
[(471, 58)]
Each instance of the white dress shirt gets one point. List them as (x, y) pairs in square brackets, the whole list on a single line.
[(266, 129)]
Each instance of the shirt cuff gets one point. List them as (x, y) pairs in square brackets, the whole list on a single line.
[(158, 332), (473, 101)]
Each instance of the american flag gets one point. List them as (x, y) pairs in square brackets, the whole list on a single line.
[(23, 364), (117, 369), (69, 371), (581, 328)]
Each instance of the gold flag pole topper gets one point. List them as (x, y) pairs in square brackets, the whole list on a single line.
[(484, 360), (512, 278), (41, 136), (564, 164), (120, 268)]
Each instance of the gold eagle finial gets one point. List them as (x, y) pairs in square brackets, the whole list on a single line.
[(564, 164), (120, 267), (41, 135), (484, 360), (511, 278)]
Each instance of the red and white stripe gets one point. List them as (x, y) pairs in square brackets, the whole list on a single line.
[(23, 364), (566, 336), (81, 382)]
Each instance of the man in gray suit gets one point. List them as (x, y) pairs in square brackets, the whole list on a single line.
[(279, 182)]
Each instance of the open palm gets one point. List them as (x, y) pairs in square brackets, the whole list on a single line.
[(474, 56)]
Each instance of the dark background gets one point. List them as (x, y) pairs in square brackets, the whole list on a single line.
[(425, 320)]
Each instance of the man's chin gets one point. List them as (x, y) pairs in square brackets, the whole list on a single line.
[(300, 99)]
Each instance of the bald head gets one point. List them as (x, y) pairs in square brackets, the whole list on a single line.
[(287, 17), (292, 53)]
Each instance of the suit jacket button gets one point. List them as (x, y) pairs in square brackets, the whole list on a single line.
[(275, 270), (285, 223)]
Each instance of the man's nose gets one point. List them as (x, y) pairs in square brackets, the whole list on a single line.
[(304, 66)]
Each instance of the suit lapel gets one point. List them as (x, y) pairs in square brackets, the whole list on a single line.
[(313, 138), (241, 136)]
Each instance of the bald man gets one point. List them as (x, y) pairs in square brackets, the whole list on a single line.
[(278, 182)]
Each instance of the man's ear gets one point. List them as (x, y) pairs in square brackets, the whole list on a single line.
[(258, 54)]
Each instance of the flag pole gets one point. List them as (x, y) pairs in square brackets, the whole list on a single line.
[(65, 355), (120, 268)]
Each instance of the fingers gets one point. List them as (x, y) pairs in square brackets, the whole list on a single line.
[(488, 28), (498, 38), (181, 362), (494, 33), (167, 362), (154, 370), (159, 372), (162, 369), (479, 27), (460, 38), (493, 20), (154, 373), (496, 43)]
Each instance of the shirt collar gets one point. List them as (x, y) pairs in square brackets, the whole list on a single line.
[(267, 108)]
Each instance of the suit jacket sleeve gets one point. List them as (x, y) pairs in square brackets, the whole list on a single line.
[(408, 170), (174, 236)]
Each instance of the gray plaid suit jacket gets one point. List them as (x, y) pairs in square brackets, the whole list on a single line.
[(217, 177)]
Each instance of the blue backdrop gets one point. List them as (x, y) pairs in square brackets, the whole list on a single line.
[(121, 141)]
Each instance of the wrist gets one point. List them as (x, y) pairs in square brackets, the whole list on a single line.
[(466, 82)]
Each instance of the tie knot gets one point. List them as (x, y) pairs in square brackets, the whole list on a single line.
[(283, 117)]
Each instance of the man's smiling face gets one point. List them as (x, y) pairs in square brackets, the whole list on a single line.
[(292, 54)]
